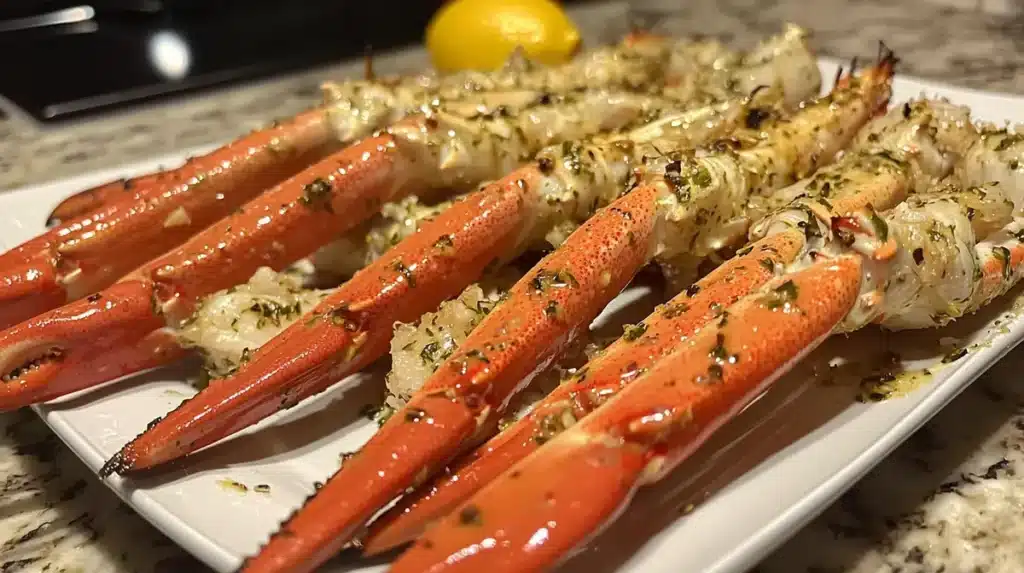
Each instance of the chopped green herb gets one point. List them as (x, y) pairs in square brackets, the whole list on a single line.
[(715, 372), (1003, 254), (781, 296), (675, 310), (318, 194), (718, 352), (881, 227), (545, 279), (444, 242), (405, 272), (470, 515), (414, 414), (632, 332), (954, 355)]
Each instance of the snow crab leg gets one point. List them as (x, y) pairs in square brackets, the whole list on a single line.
[(903, 269), (461, 401), (152, 214), (63, 350), (352, 327), (895, 155), (540, 510), (423, 153), (107, 231)]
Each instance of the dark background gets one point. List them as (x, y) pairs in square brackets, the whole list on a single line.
[(106, 63)]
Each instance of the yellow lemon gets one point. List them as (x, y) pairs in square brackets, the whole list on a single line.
[(482, 34)]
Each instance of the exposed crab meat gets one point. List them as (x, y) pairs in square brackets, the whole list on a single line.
[(418, 349), (367, 243), (229, 325)]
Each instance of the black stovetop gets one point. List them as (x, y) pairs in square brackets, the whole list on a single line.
[(94, 56)]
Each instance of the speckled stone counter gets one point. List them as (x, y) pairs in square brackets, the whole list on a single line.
[(950, 500)]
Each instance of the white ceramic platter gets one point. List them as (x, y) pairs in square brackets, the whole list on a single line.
[(760, 478)]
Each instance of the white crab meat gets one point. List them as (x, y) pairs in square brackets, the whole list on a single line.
[(230, 324), (418, 349)]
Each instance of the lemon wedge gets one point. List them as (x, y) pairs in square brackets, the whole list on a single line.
[(483, 34)]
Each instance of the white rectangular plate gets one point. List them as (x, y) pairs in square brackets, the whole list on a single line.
[(770, 470)]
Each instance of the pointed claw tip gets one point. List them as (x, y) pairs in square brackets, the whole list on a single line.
[(380, 539), (117, 464), (886, 57)]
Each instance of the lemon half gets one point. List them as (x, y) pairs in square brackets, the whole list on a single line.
[(482, 34)]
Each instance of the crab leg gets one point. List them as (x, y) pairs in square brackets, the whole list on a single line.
[(531, 516), (352, 327), (462, 400), (290, 221), (156, 213), (90, 200), (438, 261), (92, 248), (909, 271), (894, 155)]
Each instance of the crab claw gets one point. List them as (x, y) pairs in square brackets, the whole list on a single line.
[(346, 331), (554, 500), (93, 340), (625, 360), (92, 199), (157, 212)]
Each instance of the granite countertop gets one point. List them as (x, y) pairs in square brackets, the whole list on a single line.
[(948, 500)]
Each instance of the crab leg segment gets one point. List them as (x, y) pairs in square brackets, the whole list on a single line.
[(52, 357), (158, 212), (555, 499), (92, 199), (345, 332), (626, 359)]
